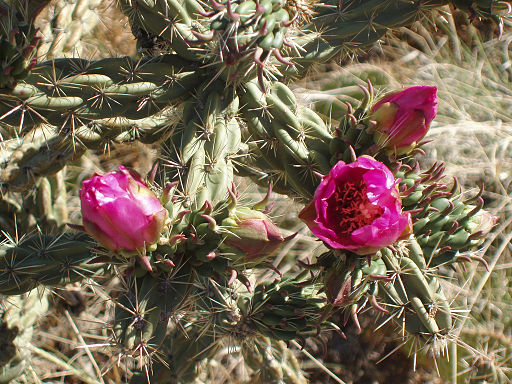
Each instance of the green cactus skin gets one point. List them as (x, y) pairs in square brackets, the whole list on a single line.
[(143, 311), (68, 24), (283, 310), (286, 138), (200, 152), (445, 226), (38, 155), (17, 318), (45, 260), (103, 98)]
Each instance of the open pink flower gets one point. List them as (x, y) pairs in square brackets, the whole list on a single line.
[(120, 211), (403, 117), (357, 207)]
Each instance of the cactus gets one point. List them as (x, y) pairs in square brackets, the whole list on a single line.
[(210, 92), (18, 317)]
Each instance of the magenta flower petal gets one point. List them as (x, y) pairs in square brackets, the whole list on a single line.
[(120, 211), (357, 207)]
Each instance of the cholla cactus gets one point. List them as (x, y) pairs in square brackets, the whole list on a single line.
[(209, 90)]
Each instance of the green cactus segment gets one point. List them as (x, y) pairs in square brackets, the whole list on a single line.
[(414, 298), (244, 36), (17, 318), (143, 312), (272, 362), (45, 260), (93, 103), (289, 141), (18, 41), (163, 26), (38, 155), (45, 206), (444, 225), (200, 151), (69, 23), (284, 311), (183, 357)]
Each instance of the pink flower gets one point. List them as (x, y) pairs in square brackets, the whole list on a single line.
[(403, 117), (120, 211), (253, 233), (357, 207)]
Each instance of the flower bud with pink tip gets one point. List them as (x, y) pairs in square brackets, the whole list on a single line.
[(403, 117), (120, 211)]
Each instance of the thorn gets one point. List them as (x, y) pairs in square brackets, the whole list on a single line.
[(448, 209), (212, 224), (233, 277), (478, 206), (218, 6), (177, 239), (477, 196), (453, 228), (280, 58), (232, 15), (76, 227), (257, 56), (207, 207), (261, 81), (144, 261), (203, 37), (353, 155), (260, 205), (355, 318), (181, 214), (375, 304), (381, 278), (273, 268), (152, 174)]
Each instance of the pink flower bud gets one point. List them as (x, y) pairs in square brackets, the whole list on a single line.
[(120, 211), (403, 117), (357, 207), (253, 233)]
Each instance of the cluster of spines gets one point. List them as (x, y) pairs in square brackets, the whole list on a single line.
[(445, 224), (90, 105), (286, 139), (45, 260), (200, 153)]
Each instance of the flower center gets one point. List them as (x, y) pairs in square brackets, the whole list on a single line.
[(353, 208)]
